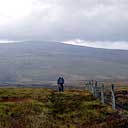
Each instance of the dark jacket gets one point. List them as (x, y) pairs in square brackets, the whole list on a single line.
[(60, 80)]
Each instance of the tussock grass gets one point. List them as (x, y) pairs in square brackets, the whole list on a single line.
[(45, 108)]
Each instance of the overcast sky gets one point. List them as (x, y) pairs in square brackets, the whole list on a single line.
[(62, 20)]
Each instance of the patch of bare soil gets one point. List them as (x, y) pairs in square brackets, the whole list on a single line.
[(15, 99)]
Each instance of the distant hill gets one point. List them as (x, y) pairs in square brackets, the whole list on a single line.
[(38, 62)]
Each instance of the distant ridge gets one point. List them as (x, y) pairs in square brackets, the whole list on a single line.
[(34, 62)]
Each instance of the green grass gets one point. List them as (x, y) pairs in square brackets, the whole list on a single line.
[(45, 108)]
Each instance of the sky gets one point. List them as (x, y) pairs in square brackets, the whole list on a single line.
[(97, 23)]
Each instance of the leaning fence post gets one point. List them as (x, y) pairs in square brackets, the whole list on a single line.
[(113, 97), (102, 94)]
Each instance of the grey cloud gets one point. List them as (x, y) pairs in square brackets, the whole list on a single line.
[(71, 19)]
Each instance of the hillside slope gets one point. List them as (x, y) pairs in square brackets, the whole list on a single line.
[(35, 62)]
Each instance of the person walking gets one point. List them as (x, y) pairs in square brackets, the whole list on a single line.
[(60, 83)]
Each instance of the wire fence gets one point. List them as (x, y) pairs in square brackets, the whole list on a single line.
[(114, 95)]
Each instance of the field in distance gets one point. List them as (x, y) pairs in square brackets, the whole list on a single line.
[(46, 108)]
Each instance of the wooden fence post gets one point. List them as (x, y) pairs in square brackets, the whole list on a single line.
[(86, 86), (93, 89), (102, 94), (96, 84), (89, 86), (113, 97)]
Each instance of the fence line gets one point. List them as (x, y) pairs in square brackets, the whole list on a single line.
[(109, 94)]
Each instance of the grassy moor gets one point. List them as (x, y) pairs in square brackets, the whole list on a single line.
[(46, 108)]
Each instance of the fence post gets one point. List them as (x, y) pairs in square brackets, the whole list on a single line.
[(102, 94), (89, 88), (113, 97), (95, 88), (86, 86)]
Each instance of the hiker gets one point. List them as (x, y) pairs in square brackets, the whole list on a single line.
[(60, 83)]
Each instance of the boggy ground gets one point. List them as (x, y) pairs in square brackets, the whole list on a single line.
[(45, 108)]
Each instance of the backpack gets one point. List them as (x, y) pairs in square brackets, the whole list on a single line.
[(61, 81)]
